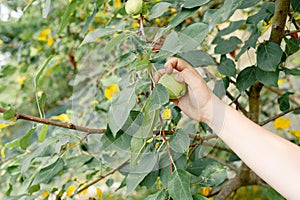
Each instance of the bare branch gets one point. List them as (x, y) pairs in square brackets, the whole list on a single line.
[(278, 91), (102, 177), (55, 123), (279, 115)]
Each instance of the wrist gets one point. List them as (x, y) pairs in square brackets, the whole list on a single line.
[(215, 114)]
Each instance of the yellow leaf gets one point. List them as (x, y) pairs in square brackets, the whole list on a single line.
[(45, 194), (43, 34), (281, 80), (27, 2), (117, 3), (167, 114), (99, 193), (206, 191), (70, 190), (281, 123), (135, 25), (50, 41), (21, 79), (295, 133), (62, 117), (111, 91), (3, 152), (3, 126)]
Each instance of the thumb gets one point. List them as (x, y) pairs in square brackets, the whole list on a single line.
[(191, 78)]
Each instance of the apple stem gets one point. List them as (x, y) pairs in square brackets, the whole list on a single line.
[(142, 31)]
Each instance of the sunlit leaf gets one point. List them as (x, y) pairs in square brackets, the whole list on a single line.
[(179, 185)]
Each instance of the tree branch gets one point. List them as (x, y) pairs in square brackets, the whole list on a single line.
[(102, 177), (238, 105), (55, 123), (279, 115), (278, 91)]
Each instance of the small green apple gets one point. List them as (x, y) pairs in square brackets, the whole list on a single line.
[(175, 89), (134, 7)]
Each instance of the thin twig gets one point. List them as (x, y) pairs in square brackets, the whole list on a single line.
[(102, 177), (166, 142), (278, 91), (222, 162), (235, 101), (279, 115), (142, 27)]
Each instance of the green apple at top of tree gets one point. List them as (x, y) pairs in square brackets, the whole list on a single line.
[(175, 89), (134, 7)]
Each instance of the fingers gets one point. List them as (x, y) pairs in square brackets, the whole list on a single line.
[(176, 63)]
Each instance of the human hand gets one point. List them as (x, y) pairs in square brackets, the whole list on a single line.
[(197, 102)]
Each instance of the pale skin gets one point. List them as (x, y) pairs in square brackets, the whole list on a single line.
[(271, 157)]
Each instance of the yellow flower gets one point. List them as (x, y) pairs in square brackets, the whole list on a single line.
[(21, 79), (27, 2), (117, 3), (111, 91), (115, 35), (206, 191), (281, 123), (167, 114), (70, 190), (45, 194), (3, 126), (62, 117), (1, 42)]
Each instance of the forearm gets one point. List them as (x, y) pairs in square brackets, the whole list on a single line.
[(274, 159)]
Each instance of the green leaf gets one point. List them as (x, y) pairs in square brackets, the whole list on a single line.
[(267, 78), (219, 88), (179, 141), (227, 67), (46, 8), (159, 97), (233, 26), (209, 172), (158, 9), (147, 164), (160, 195), (248, 4), (292, 45), (109, 182), (46, 174), (67, 15), (171, 46), (89, 21), (194, 3), (118, 113), (33, 188), (181, 16), (293, 71), (265, 13), (25, 140), (43, 133), (197, 58), (213, 16), (192, 36), (273, 194), (9, 114), (246, 78), (101, 32), (251, 42), (179, 185), (144, 63), (284, 101), (295, 5), (13, 144), (227, 46), (114, 42), (268, 56)]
